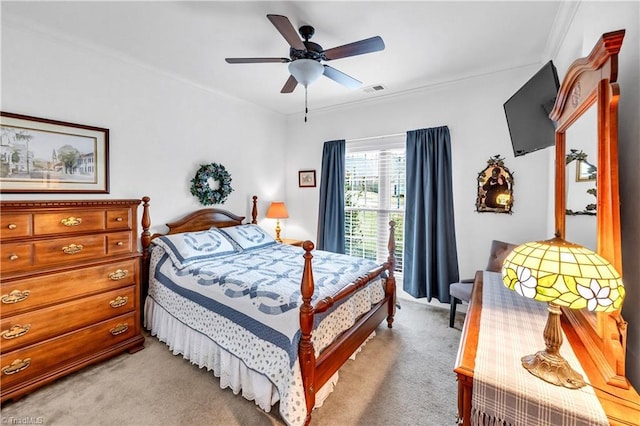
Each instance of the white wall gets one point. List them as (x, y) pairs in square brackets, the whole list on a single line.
[(161, 128), (472, 109), (592, 19)]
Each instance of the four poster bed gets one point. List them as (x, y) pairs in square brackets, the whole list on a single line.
[(227, 297)]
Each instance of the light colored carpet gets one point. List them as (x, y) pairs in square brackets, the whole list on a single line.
[(404, 376)]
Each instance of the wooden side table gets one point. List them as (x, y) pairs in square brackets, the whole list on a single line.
[(292, 242), (622, 406)]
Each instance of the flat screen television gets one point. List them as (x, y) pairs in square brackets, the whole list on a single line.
[(528, 111)]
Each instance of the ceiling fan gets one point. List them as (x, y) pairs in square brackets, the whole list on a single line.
[(305, 56)]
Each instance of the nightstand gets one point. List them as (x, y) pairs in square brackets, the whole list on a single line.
[(291, 242)]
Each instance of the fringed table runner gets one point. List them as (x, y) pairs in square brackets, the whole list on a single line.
[(504, 393)]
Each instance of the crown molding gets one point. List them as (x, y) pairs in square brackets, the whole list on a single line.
[(417, 90), (55, 36), (562, 23)]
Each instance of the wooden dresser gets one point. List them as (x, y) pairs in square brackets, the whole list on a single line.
[(70, 288)]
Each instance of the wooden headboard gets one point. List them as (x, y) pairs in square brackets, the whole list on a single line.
[(199, 220), (204, 219)]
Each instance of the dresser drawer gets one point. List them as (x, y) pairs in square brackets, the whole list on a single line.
[(31, 293), (119, 219), (71, 249), (43, 358), (69, 221), (15, 257), (21, 330), (119, 243), (14, 225)]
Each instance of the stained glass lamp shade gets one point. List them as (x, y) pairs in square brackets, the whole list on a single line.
[(561, 274)]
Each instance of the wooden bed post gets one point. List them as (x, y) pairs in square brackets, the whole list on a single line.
[(390, 287), (254, 210), (145, 238), (145, 241), (306, 352)]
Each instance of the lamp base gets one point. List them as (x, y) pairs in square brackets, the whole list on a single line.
[(553, 369), (278, 239)]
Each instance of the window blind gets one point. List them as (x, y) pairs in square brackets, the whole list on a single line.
[(374, 195)]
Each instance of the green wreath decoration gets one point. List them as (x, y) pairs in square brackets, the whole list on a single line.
[(201, 189)]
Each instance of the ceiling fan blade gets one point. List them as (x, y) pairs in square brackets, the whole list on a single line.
[(361, 47), (255, 60), (287, 30), (342, 78), (290, 85)]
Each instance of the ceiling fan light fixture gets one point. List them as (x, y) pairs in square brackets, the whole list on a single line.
[(306, 71)]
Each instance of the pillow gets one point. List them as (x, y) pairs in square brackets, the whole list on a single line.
[(499, 251), (187, 248), (249, 236)]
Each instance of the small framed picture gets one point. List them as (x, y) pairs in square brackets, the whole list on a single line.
[(585, 171), (38, 155), (307, 178)]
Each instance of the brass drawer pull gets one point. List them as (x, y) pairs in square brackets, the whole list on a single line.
[(13, 257), (119, 329), (15, 296), (72, 248), (118, 274), (119, 219), (71, 221), (12, 226), (16, 366), (16, 331), (119, 301), (119, 243)]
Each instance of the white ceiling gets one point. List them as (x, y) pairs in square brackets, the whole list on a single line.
[(427, 43)]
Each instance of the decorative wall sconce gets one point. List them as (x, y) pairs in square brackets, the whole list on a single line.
[(495, 187), (585, 173)]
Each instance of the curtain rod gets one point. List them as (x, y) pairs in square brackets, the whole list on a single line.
[(376, 137)]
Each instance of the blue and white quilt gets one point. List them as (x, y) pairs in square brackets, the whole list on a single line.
[(248, 303)]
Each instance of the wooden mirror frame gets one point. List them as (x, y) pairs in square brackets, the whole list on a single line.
[(588, 81)]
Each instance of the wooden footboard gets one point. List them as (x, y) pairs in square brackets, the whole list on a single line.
[(315, 371)]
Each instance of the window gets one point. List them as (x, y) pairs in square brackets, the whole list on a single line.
[(374, 195)]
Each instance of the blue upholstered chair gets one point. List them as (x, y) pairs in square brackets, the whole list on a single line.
[(461, 291)]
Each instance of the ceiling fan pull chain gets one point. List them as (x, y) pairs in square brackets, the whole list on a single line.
[(306, 110)]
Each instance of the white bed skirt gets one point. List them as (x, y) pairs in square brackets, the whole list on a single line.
[(203, 352)]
